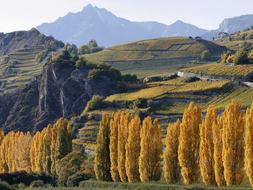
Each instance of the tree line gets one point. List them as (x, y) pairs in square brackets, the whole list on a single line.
[(216, 149), (38, 153)]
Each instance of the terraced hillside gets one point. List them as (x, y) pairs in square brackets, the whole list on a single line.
[(156, 56), (23, 55), (166, 101), (22, 70), (217, 70), (242, 94), (238, 40)]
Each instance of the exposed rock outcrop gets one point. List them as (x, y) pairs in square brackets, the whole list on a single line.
[(61, 90)]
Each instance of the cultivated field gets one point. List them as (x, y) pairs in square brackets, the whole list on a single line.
[(175, 86), (217, 69), (156, 56)]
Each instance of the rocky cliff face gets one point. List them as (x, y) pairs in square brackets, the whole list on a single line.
[(61, 90)]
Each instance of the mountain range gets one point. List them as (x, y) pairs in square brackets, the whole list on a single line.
[(108, 29), (96, 23)]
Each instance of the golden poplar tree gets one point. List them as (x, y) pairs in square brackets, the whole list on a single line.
[(151, 150), (206, 148), (53, 150), (46, 155), (11, 152), (188, 151), (233, 144), (102, 158), (1, 151), (39, 153), (49, 146), (217, 154), (63, 142), (249, 144), (133, 150), (122, 140), (22, 154), (171, 168), (4, 151), (34, 153), (114, 126)]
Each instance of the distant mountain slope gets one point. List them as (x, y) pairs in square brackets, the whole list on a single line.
[(22, 55), (180, 28), (231, 25), (236, 24), (108, 29)]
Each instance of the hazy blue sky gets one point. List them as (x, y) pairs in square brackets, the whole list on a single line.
[(25, 14)]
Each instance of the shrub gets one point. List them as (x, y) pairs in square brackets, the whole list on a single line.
[(241, 57), (72, 49), (6, 186), (37, 183), (84, 49), (141, 103), (25, 178), (91, 47), (81, 63), (75, 179), (105, 71), (129, 78), (91, 65), (69, 165), (92, 44), (21, 186), (96, 102), (64, 55)]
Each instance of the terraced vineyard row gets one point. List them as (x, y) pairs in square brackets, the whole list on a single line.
[(20, 69), (173, 86), (242, 94), (221, 70)]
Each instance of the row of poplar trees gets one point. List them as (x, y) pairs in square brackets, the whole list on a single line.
[(128, 149), (216, 149), (37, 153)]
